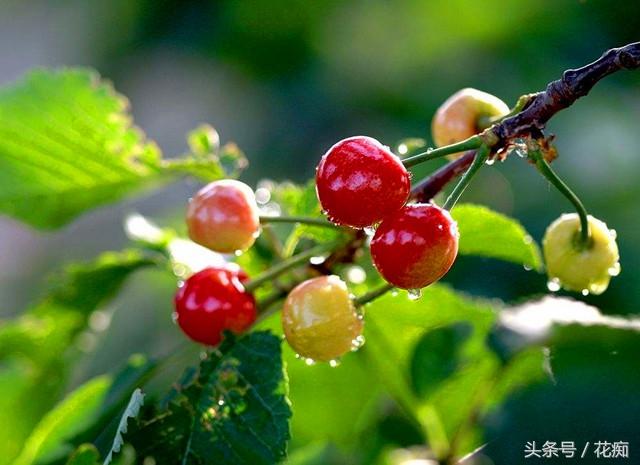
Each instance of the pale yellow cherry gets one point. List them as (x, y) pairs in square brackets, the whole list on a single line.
[(319, 319), (458, 117), (577, 267)]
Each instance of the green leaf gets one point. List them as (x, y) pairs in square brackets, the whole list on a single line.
[(336, 404), (554, 320), (35, 347), (486, 233), (131, 411), (438, 355), (231, 410), (67, 144), (394, 327), (68, 418), (86, 454)]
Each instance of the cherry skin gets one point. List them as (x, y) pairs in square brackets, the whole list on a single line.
[(416, 246), (457, 118), (359, 181), (578, 267), (223, 216), (212, 301), (319, 319)]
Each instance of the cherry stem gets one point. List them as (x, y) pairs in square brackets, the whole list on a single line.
[(265, 219), (372, 295), (288, 264), (471, 143), (481, 156), (545, 169)]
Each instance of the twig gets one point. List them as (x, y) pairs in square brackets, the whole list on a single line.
[(562, 93)]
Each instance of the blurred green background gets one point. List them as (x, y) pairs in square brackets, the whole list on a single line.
[(286, 79)]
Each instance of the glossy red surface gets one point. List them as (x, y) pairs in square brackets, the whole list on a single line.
[(416, 246), (212, 301), (359, 182), (223, 216)]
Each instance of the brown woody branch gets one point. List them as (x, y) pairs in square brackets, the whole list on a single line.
[(540, 108), (560, 94)]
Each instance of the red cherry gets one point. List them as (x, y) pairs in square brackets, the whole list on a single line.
[(223, 216), (359, 182), (212, 301), (416, 246)]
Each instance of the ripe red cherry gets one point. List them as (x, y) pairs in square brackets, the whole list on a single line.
[(212, 301), (223, 216), (359, 182), (416, 246)]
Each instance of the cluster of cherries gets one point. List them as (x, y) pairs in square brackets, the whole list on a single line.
[(361, 183)]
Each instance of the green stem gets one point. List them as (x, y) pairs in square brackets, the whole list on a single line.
[(471, 143), (297, 219), (478, 161), (372, 295), (288, 264), (545, 169)]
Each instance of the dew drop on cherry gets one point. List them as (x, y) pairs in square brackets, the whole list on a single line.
[(369, 231), (414, 294)]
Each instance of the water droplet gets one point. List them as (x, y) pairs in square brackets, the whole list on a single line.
[(174, 317), (614, 270), (369, 230), (414, 294), (356, 274), (318, 260), (237, 253), (179, 270), (403, 149), (99, 321), (394, 293), (298, 356), (357, 343), (309, 361), (527, 268), (220, 402), (430, 149), (263, 195), (334, 363), (585, 292), (553, 285), (490, 161)]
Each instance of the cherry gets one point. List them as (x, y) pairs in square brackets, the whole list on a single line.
[(580, 267), (458, 117), (319, 319), (416, 246), (359, 181), (223, 216), (212, 301)]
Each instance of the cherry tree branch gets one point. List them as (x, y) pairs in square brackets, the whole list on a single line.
[(562, 93)]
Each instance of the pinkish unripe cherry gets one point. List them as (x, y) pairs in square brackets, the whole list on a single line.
[(223, 216)]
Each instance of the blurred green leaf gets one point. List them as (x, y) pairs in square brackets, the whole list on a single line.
[(67, 144), (486, 233), (437, 355), (333, 404), (86, 454), (36, 347), (68, 418), (394, 327), (231, 410)]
